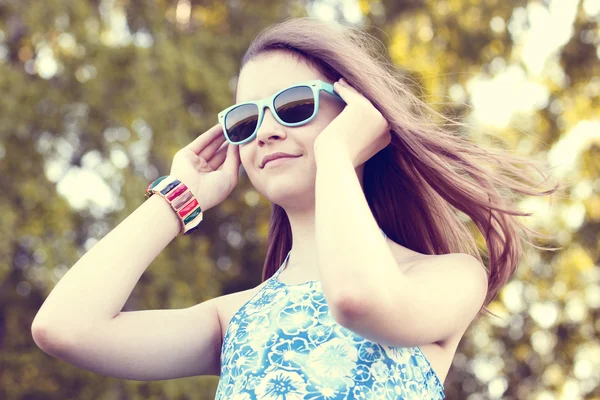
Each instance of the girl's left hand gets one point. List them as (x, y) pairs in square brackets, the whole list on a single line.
[(360, 129)]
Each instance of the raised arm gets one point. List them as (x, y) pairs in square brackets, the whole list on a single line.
[(81, 320)]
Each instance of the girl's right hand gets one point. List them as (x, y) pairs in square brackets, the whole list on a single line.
[(208, 166)]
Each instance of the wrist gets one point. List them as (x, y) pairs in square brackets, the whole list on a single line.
[(162, 215), (325, 148), (180, 198), (321, 146)]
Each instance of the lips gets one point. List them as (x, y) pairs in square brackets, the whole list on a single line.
[(276, 156), (279, 158)]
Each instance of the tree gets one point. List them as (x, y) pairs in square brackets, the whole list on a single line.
[(105, 93)]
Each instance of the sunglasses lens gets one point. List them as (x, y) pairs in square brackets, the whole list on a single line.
[(295, 105), (241, 122)]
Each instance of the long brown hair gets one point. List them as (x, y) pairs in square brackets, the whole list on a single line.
[(417, 186)]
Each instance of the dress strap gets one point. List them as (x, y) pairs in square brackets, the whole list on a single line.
[(283, 265)]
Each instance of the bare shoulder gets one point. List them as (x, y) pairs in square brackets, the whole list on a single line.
[(450, 274), (461, 265), (459, 272), (461, 261), (229, 304)]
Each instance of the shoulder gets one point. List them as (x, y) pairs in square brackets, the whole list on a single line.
[(227, 300), (445, 259), (457, 261), (458, 269), (227, 305)]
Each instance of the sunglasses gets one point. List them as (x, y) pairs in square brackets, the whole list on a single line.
[(293, 106)]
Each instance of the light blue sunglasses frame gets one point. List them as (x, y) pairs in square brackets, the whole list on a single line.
[(316, 86)]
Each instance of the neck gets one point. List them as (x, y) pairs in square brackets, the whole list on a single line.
[(304, 245), (301, 215), (303, 254)]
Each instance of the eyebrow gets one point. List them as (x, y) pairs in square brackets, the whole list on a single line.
[(245, 101), (256, 98), (278, 90)]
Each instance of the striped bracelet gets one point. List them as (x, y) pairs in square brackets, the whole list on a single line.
[(181, 200)]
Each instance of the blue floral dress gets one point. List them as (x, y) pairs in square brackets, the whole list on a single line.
[(283, 344)]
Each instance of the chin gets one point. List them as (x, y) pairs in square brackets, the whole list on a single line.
[(289, 192)]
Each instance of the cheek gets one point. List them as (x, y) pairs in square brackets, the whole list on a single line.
[(247, 162), (246, 156), (327, 113), (321, 122)]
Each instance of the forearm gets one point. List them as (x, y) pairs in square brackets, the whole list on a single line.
[(98, 285), (354, 258)]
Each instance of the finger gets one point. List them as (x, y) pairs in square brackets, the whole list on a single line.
[(232, 161), (347, 92), (350, 95), (209, 151), (217, 159), (204, 139)]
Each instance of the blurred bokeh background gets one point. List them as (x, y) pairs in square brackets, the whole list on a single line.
[(96, 96)]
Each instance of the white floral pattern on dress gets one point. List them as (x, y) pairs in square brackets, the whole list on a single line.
[(284, 344), (281, 385)]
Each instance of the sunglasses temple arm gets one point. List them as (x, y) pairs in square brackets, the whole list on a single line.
[(329, 89)]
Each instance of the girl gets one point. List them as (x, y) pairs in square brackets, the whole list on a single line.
[(370, 279)]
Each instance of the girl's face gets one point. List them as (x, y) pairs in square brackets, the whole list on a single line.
[(287, 182)]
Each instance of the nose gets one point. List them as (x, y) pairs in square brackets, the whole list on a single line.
[(269, 128)]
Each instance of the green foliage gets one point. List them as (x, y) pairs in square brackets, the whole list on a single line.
[(113, 89)]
